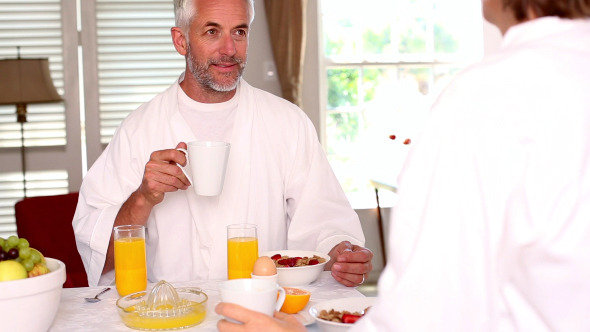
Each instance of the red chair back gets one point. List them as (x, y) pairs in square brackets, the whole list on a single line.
[(46, 222)]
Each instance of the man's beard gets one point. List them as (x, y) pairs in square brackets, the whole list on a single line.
[(202, 75)]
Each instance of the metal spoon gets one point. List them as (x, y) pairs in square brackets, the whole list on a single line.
[(95, 298)]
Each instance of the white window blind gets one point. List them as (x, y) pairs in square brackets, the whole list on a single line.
[(35, 27), (136, 58)]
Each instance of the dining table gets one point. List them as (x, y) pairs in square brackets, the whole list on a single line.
[(76, 314)]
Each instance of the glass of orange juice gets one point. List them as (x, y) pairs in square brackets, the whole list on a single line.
[(130, 263), (242, 250)]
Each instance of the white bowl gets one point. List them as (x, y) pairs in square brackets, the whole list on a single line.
[(31, 304), (300, 275), (352, 304)]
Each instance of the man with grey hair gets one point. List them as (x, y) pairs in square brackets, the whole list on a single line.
[(277, 176), (184, 11)]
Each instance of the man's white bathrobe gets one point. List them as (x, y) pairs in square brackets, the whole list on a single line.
[(277, 177)]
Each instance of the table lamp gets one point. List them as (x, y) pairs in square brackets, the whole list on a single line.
[(22, 82)]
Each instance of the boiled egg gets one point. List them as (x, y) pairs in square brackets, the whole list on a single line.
[(264, 266)]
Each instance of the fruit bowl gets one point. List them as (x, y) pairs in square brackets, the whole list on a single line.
[(298, 275), (31, 304), (163, 308)]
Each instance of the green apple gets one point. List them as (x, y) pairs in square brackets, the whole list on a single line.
[(12, 270)]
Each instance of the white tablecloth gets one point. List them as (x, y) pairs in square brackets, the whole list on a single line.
[(75, 314)]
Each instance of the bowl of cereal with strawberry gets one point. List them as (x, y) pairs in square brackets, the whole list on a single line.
[(338, 315), (297, 267)]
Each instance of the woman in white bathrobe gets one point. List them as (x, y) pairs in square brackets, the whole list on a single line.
[(491, 231)]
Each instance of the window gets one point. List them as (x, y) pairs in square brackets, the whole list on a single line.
[(383, 64)]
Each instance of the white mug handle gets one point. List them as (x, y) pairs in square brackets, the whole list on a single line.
[(281, 299), (185, 169)]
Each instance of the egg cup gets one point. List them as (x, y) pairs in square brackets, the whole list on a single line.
[(274, 277)]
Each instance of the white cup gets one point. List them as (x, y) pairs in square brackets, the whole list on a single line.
[(206, 162), (255, 294)]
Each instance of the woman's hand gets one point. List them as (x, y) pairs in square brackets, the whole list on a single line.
[(255, 321)]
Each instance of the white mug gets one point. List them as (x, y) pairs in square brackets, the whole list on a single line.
[(255, 294), (206, 162)]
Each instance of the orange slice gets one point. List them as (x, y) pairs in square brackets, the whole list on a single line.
[(295, 300)]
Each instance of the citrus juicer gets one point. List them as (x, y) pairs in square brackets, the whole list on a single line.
[(163, 308)]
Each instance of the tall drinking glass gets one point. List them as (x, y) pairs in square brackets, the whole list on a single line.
[(242, 250), (130, 263)]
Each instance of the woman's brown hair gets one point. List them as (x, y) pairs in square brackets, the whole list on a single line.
[(561, 8)]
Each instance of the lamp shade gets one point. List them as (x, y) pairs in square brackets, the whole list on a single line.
[(26, 81)]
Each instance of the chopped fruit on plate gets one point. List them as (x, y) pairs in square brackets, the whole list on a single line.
[(344, 316), (350, 318)]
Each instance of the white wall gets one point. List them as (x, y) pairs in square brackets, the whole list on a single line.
[(260, 53)]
